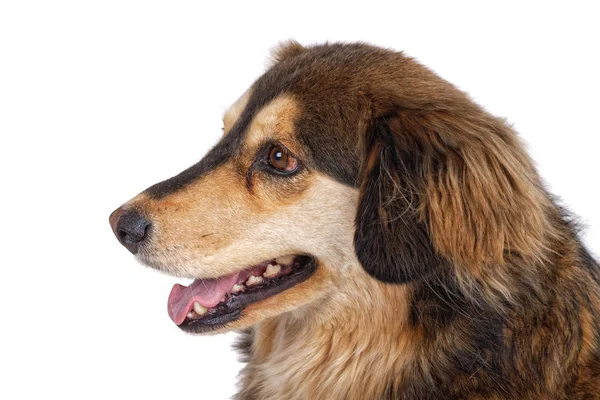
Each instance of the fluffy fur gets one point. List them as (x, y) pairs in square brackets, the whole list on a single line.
[(446, 270)]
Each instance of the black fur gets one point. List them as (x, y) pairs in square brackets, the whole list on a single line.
[(391, 242)]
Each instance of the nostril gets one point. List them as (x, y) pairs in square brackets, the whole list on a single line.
[(133, 227), (130, 227), (124, 237), (134, 235)]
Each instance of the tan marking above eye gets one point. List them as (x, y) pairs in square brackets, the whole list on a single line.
[(274, 123)]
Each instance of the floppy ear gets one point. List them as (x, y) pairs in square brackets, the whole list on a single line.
[(391, 239), (444, 188)]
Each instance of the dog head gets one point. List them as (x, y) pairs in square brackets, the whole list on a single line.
[(338, 157)]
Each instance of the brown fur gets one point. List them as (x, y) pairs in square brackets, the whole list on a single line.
[(445, 269)]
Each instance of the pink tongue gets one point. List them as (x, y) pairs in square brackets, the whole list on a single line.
[(208, 292)]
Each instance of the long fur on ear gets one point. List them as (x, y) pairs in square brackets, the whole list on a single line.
[(483, 199), (443, 187), (391, 240)]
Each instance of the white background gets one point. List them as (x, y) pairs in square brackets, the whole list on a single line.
[(99, 100)]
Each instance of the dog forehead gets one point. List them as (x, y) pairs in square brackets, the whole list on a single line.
[(332, 111), (327, 125)]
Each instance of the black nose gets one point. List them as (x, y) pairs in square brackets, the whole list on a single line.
[(130, 227)]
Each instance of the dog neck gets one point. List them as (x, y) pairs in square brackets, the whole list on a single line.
[(321, 350)]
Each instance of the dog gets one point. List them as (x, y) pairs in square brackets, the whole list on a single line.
[(374, 234)]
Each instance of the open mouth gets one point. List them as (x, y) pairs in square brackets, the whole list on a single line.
[(207, 304)]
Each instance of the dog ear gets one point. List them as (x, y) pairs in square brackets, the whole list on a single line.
[(284, 50), (441, 189), (391, 239)]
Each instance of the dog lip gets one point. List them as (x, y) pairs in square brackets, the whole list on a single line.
[(232, 308)]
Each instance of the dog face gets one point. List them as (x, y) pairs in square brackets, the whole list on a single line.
[(339, 156), (257, 198)]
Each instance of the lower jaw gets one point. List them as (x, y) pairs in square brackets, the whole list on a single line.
[(232, 309)]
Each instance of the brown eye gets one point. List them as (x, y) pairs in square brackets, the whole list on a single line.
[(282, 160)]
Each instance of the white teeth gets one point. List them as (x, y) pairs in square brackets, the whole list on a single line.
[(191, 315), (237, 288), (272, 270), (254, 280), (199, 308), (284, 259)]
